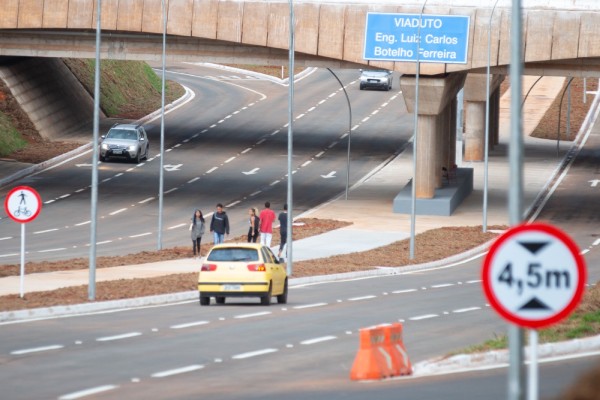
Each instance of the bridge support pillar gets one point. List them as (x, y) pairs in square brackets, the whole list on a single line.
[(475, 93), (435, 129)]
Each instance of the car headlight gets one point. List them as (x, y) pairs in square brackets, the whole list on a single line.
[(104, 146), (132, 148)]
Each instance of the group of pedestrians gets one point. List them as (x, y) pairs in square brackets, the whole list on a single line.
[(259, 225)]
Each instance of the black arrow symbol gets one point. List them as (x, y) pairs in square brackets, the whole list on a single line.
[(534, 247), (534, 304)]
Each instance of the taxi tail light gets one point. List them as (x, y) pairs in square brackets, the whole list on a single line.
[(257, 267), (209, 267)]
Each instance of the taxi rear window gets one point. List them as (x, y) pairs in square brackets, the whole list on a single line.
[(233, 254)]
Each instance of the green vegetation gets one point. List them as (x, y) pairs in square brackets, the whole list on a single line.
[(128, 89), (584, 322), (10, 139)]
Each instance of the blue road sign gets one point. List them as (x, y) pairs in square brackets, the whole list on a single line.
[(396, 37)]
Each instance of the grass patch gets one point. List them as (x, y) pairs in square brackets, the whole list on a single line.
[(10, 138), (584, 322), (128, 89)]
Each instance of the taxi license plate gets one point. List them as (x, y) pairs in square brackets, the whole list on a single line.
[(232, 288)]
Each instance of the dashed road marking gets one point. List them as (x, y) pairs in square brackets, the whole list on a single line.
[(52, 250), (212, 170), (318, 340), (189, 325), (462, 310), (177, 371), (118, 337), (140, 235), (118, 211), (442, 285), (309, 306), (257, 314), (421, 317), (46, 231), (36, 349), (87, 392), (362, 298), (404, 291), (171, 190), (176, 226), (146, 200), (230, 159), (193, 179), (253, 354)]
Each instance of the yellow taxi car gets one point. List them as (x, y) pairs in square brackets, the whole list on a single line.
[(242, 270)]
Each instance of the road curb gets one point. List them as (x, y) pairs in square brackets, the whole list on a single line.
[(500, 358)]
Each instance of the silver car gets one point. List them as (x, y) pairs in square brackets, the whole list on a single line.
[(125, 140), (378, 79)]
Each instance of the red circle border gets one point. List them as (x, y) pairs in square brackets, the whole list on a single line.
[(32, 217), (573, 248)]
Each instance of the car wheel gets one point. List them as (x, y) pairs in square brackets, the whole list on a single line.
[(204, 300), (282, 298), (102, 158), (138, 157), (147, 151), (361, 87), (220, 300), (266, 300)]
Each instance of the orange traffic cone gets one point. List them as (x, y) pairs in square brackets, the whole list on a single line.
[(370, 361)]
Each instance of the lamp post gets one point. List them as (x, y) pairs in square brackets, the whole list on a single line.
[(161, 174), (94, 192), (290, 141)]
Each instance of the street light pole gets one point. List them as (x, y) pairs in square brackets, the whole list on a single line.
[(290, 142), (349, 131), (161, 174), (94, 192)]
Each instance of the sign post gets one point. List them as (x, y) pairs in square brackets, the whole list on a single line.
[(23, 204), (534, 276)]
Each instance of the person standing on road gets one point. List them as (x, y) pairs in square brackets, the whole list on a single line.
[(197, 230), (267, 216), (283, 217), (219, 225), (254, 222)]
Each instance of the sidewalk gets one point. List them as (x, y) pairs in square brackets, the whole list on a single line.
[(371, 200)]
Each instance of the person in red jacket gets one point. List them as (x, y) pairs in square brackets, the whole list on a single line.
[(267, 216)]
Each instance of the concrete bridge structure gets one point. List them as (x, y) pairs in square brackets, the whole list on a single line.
[(561, 37)]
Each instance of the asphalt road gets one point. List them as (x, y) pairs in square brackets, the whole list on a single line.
[(302, 350), (227, 145)]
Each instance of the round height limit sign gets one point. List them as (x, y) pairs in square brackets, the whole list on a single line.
[(533, 275)]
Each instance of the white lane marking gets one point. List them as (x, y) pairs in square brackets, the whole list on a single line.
[(171, 190), (246, 150), (118, 337), (87, 392), (193, 180), (332, 94), (132, 168), (584, 251), (362, 298), (306, 163), (146, 200), (355, 127), (213, 125), (596, 242), (255, 193), (141, 234), (64, 196), (343, 136), (374, 112), (119, 174), (51, 250), (322, 101), (300, 116), (365, 119), (319, 154), (318, 340), (426, 316), (261, 141), (6, 238), (212, 170), (274, 183), (118, 211), (175, 226), (230, 159), (49, 201), (311, 109), (253, 354), (46, 231), (474, 281), (188, 325), (36, 349), (177, 371), (442, 285), (80, 190), (332, 144), (104, 242), (233, 204), (462, 310), (106, 179), (309, 306), (83, 223), (257, 314), (185, 140), (404, 291), (9, 255)]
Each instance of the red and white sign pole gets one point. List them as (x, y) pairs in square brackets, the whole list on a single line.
[(23, 204), (534, 276)]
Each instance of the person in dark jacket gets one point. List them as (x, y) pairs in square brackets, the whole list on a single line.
[(254, 223), (197, 230), (283, 216), (219, 225)]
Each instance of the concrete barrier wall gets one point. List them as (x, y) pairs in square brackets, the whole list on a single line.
[(50, 94), (333, 29)]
